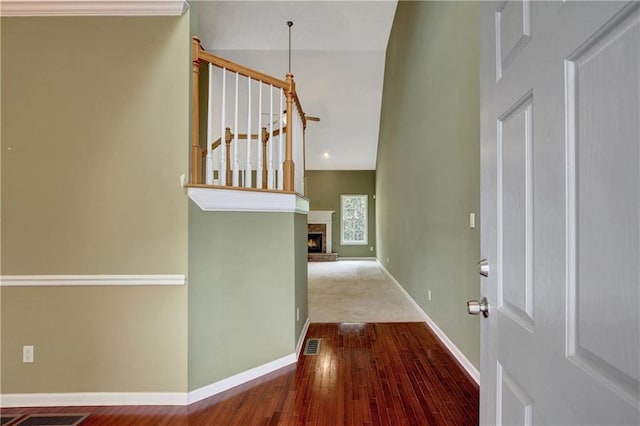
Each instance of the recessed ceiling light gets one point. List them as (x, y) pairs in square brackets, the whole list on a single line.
[(326, 155)]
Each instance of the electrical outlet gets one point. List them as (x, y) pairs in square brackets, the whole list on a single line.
[(370, 248), (297, 314), (27, 353), (429, 295)]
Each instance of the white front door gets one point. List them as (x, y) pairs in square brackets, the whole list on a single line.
[(560, 208)]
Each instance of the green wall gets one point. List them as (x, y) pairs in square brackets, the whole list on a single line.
[(428, 168), (324, 188), (95, 131), (244, 284), (300, 248)]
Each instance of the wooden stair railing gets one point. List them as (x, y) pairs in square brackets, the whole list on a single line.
[(243, 136), (280, 145)]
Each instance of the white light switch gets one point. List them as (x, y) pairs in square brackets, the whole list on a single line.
[(472, 220)]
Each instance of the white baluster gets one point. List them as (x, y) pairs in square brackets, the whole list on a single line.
[(270, 143), (280, 147), (247, 171), (234, 148), (209, 140), (222, 169), (259, 165)]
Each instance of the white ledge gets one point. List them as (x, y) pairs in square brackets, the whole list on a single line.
[(89, 280), (230, 200), (92, 7)]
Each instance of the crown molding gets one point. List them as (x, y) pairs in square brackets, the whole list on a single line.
[(93, 7)]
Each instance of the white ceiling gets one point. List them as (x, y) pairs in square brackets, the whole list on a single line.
[(337, 60)]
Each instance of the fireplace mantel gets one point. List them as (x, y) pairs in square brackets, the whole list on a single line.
[(323, 217)]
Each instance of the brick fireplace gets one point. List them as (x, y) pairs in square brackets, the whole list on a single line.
[(320, 222)]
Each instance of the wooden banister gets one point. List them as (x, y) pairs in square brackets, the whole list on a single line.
[(214, 145), (279, 170), (241, 69)]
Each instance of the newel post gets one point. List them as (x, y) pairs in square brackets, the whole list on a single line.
[(288, 166), (265, 140), (196, 151)]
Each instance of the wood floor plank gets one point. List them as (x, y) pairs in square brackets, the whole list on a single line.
[(365, 374)]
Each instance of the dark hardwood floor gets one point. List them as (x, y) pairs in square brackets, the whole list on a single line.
[(364, 374)]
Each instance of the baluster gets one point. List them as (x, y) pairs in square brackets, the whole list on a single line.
[(280, 149), (247, 171), (223, 168), (260, 137), (234, 147), (270, 141), (209, 140)]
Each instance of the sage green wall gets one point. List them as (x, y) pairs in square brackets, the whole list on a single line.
[(242, 291), (428, 168), (324, 188), (94, 137), (301, 276)]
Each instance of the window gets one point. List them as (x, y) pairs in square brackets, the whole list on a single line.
[(354, 228)]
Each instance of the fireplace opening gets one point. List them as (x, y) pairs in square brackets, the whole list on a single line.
[(314, 242)]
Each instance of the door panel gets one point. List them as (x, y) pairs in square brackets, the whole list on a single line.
[(513, 32), (515, 142), (603, 190), (515, 407), (560, 204)]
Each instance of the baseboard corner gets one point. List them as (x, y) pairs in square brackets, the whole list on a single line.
[(453, 349)]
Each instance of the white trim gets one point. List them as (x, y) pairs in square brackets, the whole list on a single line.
[(93, 7), (357, 258), (212, 199), (323, 217), (91, 398), (366, 220), (301, 338), (89, 280), (142, 398), (457, 353), (240, 378)]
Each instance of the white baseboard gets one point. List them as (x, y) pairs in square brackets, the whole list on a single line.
[(457, 353), (357, 258), (301, 338), (240, 378), (76, 399)]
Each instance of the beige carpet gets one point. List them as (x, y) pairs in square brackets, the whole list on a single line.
[(356, 291)]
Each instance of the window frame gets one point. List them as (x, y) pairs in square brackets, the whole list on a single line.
[(365, 220)]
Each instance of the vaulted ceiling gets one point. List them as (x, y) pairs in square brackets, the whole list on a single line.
[(338, 62)]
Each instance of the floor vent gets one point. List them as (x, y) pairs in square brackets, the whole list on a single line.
[(9, 419), (53, 419), (312, 347)]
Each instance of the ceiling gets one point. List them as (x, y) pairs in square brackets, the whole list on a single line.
[(337, 60)]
